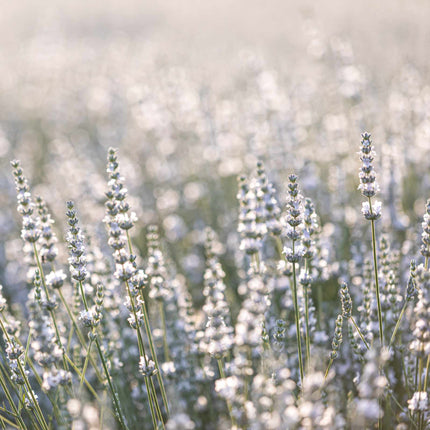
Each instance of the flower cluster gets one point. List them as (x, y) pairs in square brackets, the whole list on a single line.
[(294, 220), (368, 185), (218, 333), (425, 237), (31, 229)]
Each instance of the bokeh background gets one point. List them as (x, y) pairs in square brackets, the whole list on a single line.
[(194, 93)]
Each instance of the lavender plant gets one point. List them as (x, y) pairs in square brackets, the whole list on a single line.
[(187, 328)]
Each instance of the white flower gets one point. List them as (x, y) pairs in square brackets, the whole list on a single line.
[(419, 401), (55, 279)]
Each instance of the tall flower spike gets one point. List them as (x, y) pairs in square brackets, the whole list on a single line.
[(311, 227), (411, 290), (156, 270), (48, 251), (272, 211), (294, 219), (77, 260), (425, 236), (368, 185), (371, 211), (336, 343), (346, 301), (218, 333), (31, 230), (251, 240)]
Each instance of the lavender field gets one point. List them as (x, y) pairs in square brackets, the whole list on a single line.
[(215, 216)]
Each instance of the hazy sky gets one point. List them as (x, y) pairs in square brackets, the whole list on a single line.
[(209, 34)]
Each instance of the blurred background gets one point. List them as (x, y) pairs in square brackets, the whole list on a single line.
[(194, 93)]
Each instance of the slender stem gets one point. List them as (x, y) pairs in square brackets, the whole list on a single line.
[(328, 368), (405, 376), (297, 318), (427, 373), (152, 397), (79, 373), (426, 378), (163, 325), (359, 332), (29, 361), (247, 377), (320, 300), (5, 420), (12, 403), (119, 414), (153, 351), (296, 306), (155, 400), (420, 373), (150, 338), (399, 320), (222, 374), (79, 333), (307, 333), (84, 369), (39, 415), (256, 261), (51, 311), (375, 266)]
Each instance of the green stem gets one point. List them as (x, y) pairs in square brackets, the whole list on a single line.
[(420, 373), (307, 333), (119, 414), (220, 362), (297, 318), (84, 369), (12, 403), (256, 260), (359, 332), (79, 333), (150, 338), (79, 373), (427, 373), (296, 308), (39, 415), (153, 351), (328, 368), (399, 320), (152, 397), (320, 300), (426, 378), (5, 420), (51, 311), (375, 266), (163, 325)]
